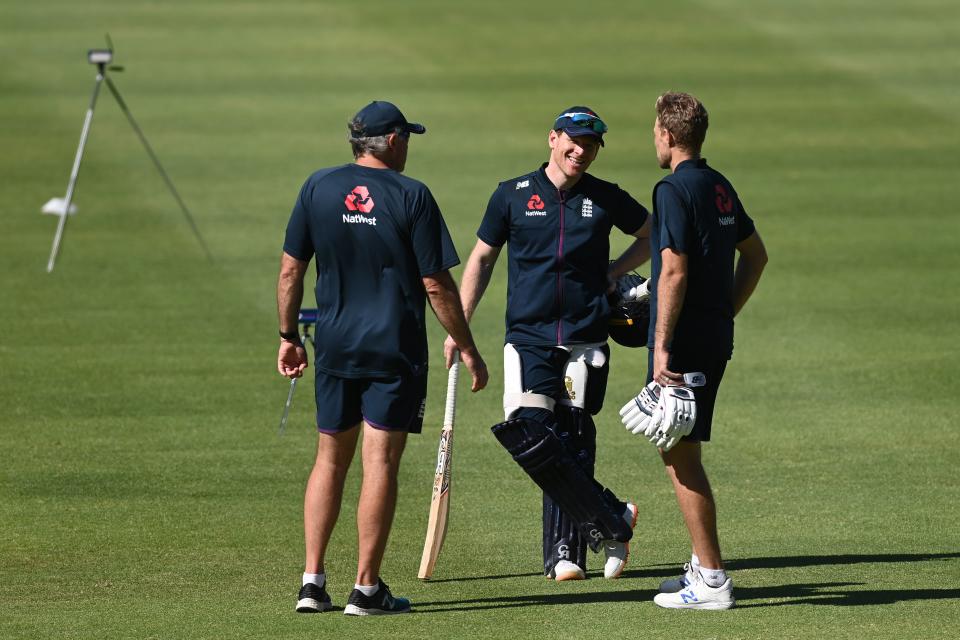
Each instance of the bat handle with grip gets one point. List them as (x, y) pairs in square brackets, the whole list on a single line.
[(452, 376)]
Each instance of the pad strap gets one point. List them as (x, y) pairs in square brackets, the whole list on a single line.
[(529, 399)]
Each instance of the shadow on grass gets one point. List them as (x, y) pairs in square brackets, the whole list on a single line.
[(547, 599), (828, 594), (505, 576), (782, 562), (775, 562)]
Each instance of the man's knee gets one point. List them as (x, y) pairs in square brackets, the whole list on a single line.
[(383, 447)]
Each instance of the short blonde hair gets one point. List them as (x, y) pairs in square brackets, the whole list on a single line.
[(684, 117)]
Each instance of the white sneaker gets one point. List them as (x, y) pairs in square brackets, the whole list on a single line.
[(698, 595), (679, 583), (566, 570), (617, 553)]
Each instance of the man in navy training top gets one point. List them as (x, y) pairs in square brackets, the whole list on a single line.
[(382, 249), (699, 225), (557, 222)]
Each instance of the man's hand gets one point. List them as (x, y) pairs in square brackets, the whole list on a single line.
[(675, 415), (661, 374), (637, 414), (292, 359), (449, 348), (475, 365)]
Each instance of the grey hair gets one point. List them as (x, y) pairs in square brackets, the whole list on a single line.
[(374, 145)]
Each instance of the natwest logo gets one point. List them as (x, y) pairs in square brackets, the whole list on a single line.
[(535, 202), (359, 200)]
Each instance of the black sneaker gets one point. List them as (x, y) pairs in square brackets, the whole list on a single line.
[(379, 604), (313, 599)]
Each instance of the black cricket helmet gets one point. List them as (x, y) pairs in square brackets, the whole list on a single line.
[(630, 311)]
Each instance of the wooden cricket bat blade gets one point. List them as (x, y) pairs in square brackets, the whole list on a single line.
[(440, 500), (439, 507)]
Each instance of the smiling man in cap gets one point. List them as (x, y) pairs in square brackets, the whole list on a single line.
[(557, 222), (382, 250)]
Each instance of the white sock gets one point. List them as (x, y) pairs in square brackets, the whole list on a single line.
[(367, 590), (694, 563), (318, 579), (713, 577)]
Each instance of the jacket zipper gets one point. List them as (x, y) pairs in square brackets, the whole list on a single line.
[(560, 270)]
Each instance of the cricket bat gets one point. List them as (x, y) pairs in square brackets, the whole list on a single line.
[(440, 501)]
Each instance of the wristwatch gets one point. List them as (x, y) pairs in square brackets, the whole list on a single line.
[(291, 336)]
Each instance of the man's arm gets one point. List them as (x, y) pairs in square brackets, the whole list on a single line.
[(445, 301), (636, 254), (292, 358), (476, 277), (671, 290), (752, 260)]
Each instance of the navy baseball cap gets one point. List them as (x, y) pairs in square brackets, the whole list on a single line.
[(581, 121), (380, 118)]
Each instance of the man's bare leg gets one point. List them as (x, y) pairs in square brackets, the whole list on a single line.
[(695, 499), (381, 451), (321, 502)]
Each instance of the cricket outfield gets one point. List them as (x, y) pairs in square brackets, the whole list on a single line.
[(144, 491)]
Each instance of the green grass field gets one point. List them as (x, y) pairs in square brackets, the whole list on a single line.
[(144, 491)]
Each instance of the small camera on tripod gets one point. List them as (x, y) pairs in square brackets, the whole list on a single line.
[(100, 56)]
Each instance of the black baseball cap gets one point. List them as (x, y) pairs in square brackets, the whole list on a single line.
[(581, 121), (380, 118)]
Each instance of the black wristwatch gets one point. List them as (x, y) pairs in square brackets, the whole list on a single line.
[(291, 336)]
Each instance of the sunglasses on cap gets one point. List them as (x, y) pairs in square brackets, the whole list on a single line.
[(585, 120)]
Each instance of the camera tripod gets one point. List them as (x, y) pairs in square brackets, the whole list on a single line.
[(102, 59)]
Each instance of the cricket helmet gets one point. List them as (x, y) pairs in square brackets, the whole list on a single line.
[(630, 311)]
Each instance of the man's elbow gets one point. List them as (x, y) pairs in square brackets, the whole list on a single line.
[(437, 284), (673, 274), (760, 260), (290, 278)]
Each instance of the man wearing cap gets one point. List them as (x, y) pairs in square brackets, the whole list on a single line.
[(382, 249), (557, 221)]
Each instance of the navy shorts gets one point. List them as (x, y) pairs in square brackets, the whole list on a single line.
[(706, 395), (542, 372), (391, 404)]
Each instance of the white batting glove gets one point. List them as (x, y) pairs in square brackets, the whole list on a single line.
[(675, 415), (637, 414)]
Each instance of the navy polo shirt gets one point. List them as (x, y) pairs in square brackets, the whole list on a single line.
[(559, 250), (375, 233), (696, 212)]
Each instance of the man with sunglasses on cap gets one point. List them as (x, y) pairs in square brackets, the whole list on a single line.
[(557, 222), (382, 250)]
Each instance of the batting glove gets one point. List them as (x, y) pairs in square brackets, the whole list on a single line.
[(637, 414), (675, 415)]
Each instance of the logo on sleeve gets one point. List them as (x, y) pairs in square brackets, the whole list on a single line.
[(359, 200), (521, 184)]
